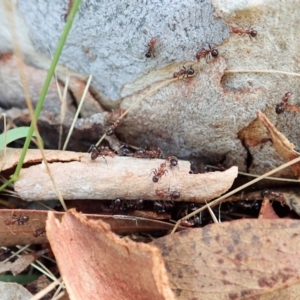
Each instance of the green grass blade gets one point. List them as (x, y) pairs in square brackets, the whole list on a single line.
[(13, 134)]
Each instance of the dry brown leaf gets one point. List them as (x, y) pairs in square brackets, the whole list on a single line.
[(33, 231), (97, 264), (282, 145), (116, 177), (244, 259)]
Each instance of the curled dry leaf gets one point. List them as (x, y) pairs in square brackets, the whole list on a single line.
[(97, 264), (244, 259), (282, 145), (126, 177), (33, 231)]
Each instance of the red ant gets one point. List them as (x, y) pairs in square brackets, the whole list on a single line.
[(274, 195), (206, 53), (250, 31), (280, 108), (111, 130), (21, 220), (142, 153), (65, 15), (162, 194), (187, 223), (184, 72), (39, 232), (158, 173), (173, 160), (100, 151), (151, 49)]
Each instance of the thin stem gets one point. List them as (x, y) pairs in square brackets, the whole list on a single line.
[(44, 91)]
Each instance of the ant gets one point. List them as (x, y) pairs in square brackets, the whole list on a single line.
[(65, 15), (162, 208), (184, 72), (280, 108), (159, 172), (142, 153), (111, 130), (173, 160), (162, 194), (241, 31), (123, 205), (187, 223), (100, 151), (21, 220), (151, 49), (274, 195), (206, 53), (38, 232), (125, 151)]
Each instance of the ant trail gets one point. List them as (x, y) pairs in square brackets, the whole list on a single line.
[(219, 200), (78, 111), (137, 102), (262, 71)]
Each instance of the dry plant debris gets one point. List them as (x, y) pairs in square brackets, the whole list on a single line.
[(33, 231), (232, 260), (33, 156), (282, 145), (41, 283), (244, 259), (97, 264), (21, 263), (126, 177)]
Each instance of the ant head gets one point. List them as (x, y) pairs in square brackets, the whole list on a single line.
[(155, 178), (253, 33), (173, 161), (279, 109), (190, 71), (175, 195), (214, 53), (288, 94)]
